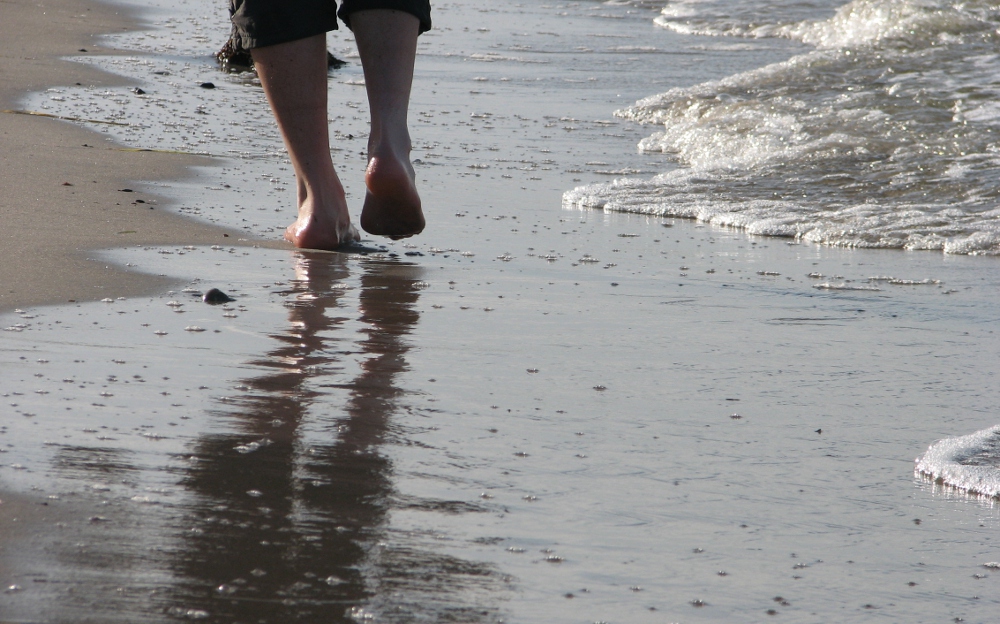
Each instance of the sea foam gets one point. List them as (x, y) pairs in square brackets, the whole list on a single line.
[(970, 463), (884, 136)]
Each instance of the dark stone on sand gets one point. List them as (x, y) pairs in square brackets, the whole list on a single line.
[(138, 91), (234, 59), (216, 296), (414, 253), (207, 85)]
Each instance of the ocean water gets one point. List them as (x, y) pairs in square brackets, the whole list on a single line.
[(526, 414), (883, 134)]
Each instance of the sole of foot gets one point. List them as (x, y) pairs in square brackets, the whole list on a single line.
[(392, 205)]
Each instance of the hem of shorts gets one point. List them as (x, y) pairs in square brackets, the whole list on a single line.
[(398, 5), (251, 43)]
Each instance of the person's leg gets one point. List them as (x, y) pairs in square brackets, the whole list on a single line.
[(387, 43), (294, 77)]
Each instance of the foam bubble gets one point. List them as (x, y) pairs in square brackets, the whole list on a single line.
[(970, 463)]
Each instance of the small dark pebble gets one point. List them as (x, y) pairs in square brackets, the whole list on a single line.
[(162, 73), (414, 253), (207, 85), (140, 201), (83, 49), (126, 190), (215, 296), (138, 91)]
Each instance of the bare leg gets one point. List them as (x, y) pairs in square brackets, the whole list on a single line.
[(387, 43), (294, 79)]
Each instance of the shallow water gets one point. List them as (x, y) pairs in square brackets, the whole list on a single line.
[(536, 416), (882, 136)]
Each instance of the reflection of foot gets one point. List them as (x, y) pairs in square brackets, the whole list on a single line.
[(392, 205), (321, 229)]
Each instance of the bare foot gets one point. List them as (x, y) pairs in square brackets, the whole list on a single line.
[(326, 228), (392, 205)]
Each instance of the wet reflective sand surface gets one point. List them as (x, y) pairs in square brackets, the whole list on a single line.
[(280, 510), (527, 414), (372, 437)]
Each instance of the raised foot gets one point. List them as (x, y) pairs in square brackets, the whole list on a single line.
[(310, 233), (392, 205)]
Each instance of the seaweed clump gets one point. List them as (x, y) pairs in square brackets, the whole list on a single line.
[(235, 59)]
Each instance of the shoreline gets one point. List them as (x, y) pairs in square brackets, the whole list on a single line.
[(63, 199), (660, 419)]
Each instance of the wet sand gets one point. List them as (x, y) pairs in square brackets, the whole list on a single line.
[(526, 414), (62, 184)]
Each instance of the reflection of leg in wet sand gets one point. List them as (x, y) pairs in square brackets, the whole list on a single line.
[(292, 507), (292, 67), (287, 519)]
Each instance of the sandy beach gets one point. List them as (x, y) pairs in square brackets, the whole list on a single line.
[(530, 413), (62, 184)]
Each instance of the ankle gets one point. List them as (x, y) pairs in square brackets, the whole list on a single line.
[(390, 144)]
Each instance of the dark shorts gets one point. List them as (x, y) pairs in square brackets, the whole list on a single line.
[(261, 23)]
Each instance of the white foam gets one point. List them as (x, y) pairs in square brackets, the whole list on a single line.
[(875, 22), (968, 462), (694, 195), (882, 137), (911, 23)]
